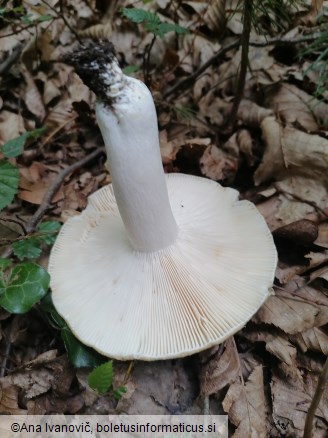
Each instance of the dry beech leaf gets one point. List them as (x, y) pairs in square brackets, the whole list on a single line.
[(314, 339), (169, 149), (221, 370), (246, 406), (161, 388), (295, 309), (11, 126), (215, 16), (100, 31), (276, 343), (33, 382), (33, 99), (291, 152), (245, 143), (9, 398), (322, 239), (273, 159), (291, 399), (252, 114), (217, 164), (293, 208), (293, 105), (320, 273)]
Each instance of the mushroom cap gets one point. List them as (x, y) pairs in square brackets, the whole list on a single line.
[(173, 302)]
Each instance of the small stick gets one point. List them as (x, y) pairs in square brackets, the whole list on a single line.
[(53, 189), (315, 401)]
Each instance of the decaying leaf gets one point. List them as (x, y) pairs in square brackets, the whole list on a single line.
[(218, 165), (246, 406), (9, 398), (277, 344), (295, 309), (314, 339), (293, 105), (290, 152), (221, 370)]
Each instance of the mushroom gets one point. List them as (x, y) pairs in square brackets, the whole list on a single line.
[(157, 266)]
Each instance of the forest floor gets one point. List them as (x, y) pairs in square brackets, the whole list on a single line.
[(275, 154)]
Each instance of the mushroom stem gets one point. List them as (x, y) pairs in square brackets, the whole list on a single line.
[(127, 119)]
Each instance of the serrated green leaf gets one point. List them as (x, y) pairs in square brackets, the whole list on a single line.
[(118, 392), (101, 378), (78, 354), (48, 231), (140, 15), (9, 176), (15, 146), (28, 248), (26, 284)]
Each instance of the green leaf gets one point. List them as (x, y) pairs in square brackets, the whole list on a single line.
[(164, 28), (48, 306), (48, 231), (152, 22), (8, 183), (79, 354), (140, 15), (42, 18), (28, 248), (15, 146), (118, 392), (129, 69), (101, 378), (26, 284), (4, 263)]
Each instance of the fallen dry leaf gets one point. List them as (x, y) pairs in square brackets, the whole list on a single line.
[(222, 369), (246, 406), (217, 164), (295, 309)]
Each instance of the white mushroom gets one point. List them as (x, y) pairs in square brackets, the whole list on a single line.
[(157, 266)]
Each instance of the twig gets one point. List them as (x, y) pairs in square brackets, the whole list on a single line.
[(11, 59), (52, 190), (62, 16), (7, 349), (247, 25), (300, 199), (181, 85), (184, 83), (36, 218), (147, 61), (322, 381)]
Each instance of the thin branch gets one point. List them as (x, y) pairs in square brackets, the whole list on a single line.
[(247, 25), (62, 16), (53, 189), (8, 345), (147, 61), (322, 381), (300, 199), (184, 83), (11, 59)]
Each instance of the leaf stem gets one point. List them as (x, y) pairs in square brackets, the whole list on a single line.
[(247, 25), (322, 381)]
